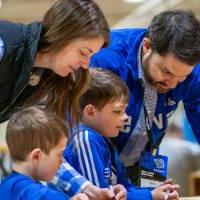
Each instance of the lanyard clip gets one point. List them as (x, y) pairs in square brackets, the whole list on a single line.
[(154, 151)]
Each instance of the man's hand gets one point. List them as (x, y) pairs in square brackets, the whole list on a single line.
[(95, 193), (166, 192)]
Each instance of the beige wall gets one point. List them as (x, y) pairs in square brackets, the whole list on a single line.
[(2, 135)]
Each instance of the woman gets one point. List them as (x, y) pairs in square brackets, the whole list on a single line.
[(47, 61)]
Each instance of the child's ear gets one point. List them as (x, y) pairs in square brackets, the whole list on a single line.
[(89, 111), (146, 45), (35, 154)]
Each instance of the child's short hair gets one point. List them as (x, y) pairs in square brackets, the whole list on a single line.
[(105, 87), (31, 128)]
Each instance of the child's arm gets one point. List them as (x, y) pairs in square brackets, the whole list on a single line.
[(87, 154), (71, 182)]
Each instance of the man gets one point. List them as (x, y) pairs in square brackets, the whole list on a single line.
[(160, 67)]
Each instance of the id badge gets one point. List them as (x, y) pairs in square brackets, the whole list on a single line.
[(153, 170)]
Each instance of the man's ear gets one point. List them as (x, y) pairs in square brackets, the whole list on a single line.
[(89, 111), (146, 45), (35, 154)]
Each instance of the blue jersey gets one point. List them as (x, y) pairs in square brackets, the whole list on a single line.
[(94, 157), (17, 186), (122, 58)]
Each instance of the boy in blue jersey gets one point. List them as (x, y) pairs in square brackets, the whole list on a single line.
[(36, 140), (91, 151)]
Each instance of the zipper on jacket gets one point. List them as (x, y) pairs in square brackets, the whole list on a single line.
[(13, 101)]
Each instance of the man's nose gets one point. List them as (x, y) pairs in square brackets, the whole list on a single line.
[(171, 82)]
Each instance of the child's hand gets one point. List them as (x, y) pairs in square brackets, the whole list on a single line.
[(166, 192), (120, 192), (95, 193), (80, 196)]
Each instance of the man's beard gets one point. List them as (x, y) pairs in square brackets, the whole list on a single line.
[(156, 85), (146, 73)]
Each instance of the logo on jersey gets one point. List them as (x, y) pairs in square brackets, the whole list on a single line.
[(171, 102)]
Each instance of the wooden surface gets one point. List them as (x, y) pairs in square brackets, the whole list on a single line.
[(194, 183), (190, 198)]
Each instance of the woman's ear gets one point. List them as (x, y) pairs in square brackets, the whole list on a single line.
[(146, 45), (89, 111)]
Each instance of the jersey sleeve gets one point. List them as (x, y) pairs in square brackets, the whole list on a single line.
[(192, 101), (107, 59), (69, 180), (40, 192), (88, 156)]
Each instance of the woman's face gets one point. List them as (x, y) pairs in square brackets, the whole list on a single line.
[(75, 55)]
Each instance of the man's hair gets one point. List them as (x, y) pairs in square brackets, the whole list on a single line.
[(176, 32), (31, 128), (105, 87)]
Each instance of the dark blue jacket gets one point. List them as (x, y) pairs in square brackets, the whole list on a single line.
[(20, 44)]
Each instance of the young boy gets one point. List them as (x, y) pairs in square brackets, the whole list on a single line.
[(91, 151), (36, 140)]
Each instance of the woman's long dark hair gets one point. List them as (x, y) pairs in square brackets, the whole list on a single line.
[(61, 94)]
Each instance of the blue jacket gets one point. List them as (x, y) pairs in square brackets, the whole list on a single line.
[(94, 157), (122, 58), (17, 186)]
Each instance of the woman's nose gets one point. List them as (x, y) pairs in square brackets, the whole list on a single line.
[(182, 79), (84, 66), (171, 82)]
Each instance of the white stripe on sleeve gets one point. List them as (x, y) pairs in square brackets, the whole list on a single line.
[(92, 160)]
